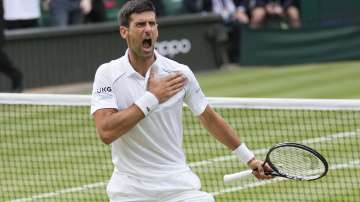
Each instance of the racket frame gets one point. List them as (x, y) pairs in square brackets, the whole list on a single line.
[(277, 173)]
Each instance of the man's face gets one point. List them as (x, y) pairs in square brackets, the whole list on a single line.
[(141, 34)]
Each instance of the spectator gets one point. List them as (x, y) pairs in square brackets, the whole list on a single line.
[(21, 14), (97, 13), (67, 12), (230, 10), (6, 65), (272, 9), (257, 13), (292, 13), (234, 13)]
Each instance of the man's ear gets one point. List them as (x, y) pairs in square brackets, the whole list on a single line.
[(123, 31)]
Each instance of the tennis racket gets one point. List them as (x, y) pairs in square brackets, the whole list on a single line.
[(290, 160)]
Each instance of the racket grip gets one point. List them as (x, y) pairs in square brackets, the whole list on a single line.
[(235, 176)]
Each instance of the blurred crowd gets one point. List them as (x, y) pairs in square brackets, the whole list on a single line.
[(255, 13), (20, 14)]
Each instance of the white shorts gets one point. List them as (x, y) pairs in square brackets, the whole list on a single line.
[(184, 187)]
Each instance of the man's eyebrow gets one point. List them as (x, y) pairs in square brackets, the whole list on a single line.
[(145, 21)]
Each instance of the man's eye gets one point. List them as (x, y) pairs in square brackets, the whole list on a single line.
[(141, 24)]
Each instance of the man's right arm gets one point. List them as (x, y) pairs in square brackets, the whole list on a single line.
[(112, 123)]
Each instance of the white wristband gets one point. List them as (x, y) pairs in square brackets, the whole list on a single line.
[(243, 153), (147, 103)]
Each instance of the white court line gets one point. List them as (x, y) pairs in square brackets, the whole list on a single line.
[(63, 191), (193, 165), (351, 164)]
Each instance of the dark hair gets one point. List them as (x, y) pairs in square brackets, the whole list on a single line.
[(134, 6)]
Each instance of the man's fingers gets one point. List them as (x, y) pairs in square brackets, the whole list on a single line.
[(173, 76), (262, 176), (164, 87), (267, 168), (260, 169), (177, 80), (178, 86), (173, 92)]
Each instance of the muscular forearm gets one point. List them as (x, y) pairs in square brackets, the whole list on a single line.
[(217, 126), (112, 124), (223, 132)]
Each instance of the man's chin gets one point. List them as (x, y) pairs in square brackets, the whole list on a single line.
[(148, 52)]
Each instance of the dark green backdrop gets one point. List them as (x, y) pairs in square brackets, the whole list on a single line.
[(311, 45), (329, 12)]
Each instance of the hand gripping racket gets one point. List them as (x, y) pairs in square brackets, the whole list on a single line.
[(290, 160)]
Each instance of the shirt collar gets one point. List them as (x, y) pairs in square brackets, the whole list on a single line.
[(131, 71)]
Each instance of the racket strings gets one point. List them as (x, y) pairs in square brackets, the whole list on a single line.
[(296, 162)]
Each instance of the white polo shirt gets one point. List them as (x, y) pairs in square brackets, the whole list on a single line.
[(21, 9), (153, 148)]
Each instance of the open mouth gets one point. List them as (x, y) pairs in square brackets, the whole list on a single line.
[(147, 43)]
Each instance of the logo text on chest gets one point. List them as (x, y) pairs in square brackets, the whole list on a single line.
[(104, 90)]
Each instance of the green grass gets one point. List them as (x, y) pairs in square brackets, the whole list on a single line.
[(50, 161), (327, 80), (53, 154)]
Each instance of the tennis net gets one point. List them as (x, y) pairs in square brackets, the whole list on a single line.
[(49, 150)]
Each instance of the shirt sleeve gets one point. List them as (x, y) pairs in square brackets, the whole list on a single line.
[(194, 97), (102, 93)]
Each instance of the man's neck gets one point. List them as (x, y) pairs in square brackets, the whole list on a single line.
[(141, 64)]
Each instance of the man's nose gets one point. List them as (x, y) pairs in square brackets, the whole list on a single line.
[(148, 27)]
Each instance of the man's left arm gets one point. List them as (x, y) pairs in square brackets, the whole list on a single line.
[(223, 132), (218, 128)]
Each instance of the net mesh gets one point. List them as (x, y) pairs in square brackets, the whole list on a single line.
[(49, 150)]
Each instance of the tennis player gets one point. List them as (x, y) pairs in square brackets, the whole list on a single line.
[(137, 105)]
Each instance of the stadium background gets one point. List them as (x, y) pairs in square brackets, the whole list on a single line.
[(56, 56), (323, 64)]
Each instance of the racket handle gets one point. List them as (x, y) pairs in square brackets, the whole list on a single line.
[(235, 176)]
